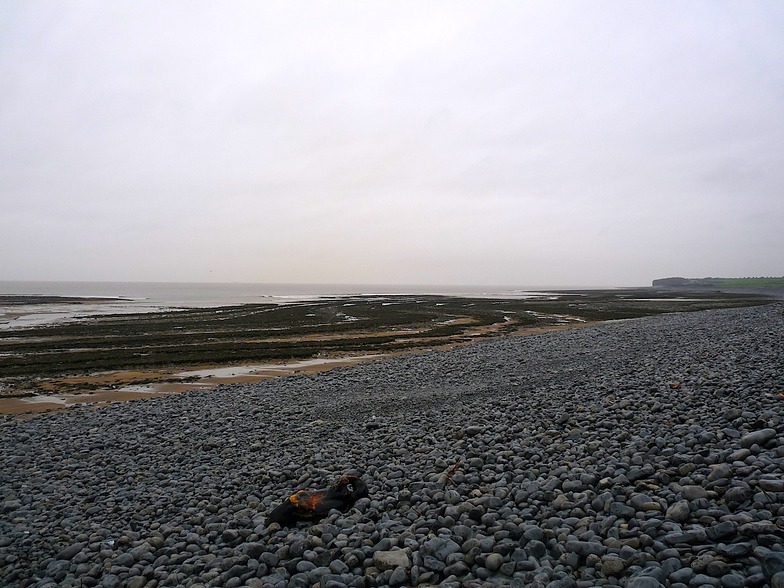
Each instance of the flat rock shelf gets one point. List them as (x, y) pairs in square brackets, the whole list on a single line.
[(635, 453)]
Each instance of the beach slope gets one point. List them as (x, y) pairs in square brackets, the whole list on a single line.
[(639, 452)]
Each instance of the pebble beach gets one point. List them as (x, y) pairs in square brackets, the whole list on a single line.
[(640, 453)]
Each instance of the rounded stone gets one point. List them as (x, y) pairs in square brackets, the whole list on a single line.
[(643, 582), (757, 437), (613, 566), (777, 580), (678, 512), (494, 561)]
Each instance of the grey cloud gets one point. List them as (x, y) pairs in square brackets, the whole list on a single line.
[(525, 143)]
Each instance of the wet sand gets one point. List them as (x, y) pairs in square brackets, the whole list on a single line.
[(148, 387)]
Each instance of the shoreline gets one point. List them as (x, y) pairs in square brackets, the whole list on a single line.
[(119, 357)]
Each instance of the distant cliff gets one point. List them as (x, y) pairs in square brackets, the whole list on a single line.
[(767, 282)]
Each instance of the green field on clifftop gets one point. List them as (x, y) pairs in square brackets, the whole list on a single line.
[(769, 282)]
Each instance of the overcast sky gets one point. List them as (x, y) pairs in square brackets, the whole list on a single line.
[(483, 142)]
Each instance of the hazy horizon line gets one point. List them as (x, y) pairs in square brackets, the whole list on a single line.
[(316, 283)]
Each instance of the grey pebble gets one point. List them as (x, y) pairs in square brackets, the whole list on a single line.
[(399, 577), (585, 548), (389, 560), (735, 550), (494, 561), (772, 564), (678, 512), (732, 581), (70, 552), (757, 437), (643, 582), (777, 581), (772, 484), (692, 492), (613, 566)]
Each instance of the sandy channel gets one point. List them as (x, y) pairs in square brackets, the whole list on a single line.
[(153, 384)]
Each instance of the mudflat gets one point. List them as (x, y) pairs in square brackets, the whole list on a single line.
[(644, 452), (104, 358)]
